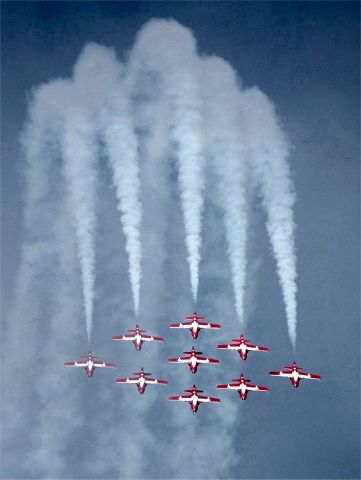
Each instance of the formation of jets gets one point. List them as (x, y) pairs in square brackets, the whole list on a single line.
[(193, 358)]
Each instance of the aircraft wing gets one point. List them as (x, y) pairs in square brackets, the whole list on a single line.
[(156, 380), (229, 346), (256, 348), (250, 386), (124, 337), (309, 375), (76, 364), (281, 374), (207, 360), (148, 338), (180, 398), (181, 325), (208, 325), (127, 380), (202, 398), (104, 364), (179, 360), (231, 386)]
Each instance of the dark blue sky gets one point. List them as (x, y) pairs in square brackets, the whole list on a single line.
[(305, 57)]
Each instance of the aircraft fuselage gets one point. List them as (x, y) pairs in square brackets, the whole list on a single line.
[(141, 385), (138, 342), (90, 368)]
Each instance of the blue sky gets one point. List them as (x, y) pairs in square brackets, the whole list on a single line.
[(305, 57)]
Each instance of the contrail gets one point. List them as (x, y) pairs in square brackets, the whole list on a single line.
[(226, 149), (268, 149), (169, 50)]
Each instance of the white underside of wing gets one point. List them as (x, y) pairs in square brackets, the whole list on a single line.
[(207, 399)]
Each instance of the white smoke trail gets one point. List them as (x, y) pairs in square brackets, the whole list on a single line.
[(121, 146), (95, 73), (169, 50), (79, 152), (226, 148), (268, 149)]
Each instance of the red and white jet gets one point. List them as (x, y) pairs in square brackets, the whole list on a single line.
[(193, 398), (295, 373), (137, 337), (141, 380), (193, 360), (89, 363), (195, 325), (242, 386), (242, 346)]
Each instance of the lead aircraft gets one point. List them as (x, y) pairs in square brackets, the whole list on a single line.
[(242, 346), (89, 362), (295, 373), (193, 398), (137, 337), (242, 386), (141, 380), (194, 325), (193, 360)]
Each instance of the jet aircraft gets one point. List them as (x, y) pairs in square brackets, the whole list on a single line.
[(295, 374), (193, 360), (137, 337), (89, 363), (193, 398), (242, 386), (242, 346), (141, 380), (194, 325)]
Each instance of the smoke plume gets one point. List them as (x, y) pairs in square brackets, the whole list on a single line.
[(268, 149), (226, 149), (79, 153), (168, 50), (121, 147)]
